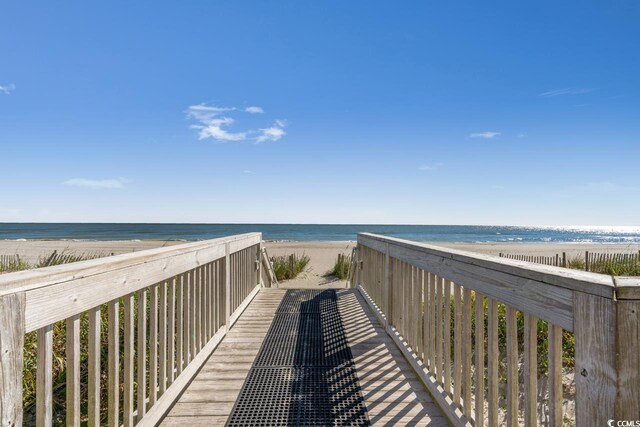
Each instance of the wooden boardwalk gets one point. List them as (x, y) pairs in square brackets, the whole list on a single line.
[(392, 392)]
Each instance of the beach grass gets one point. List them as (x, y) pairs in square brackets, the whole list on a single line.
[(288, 267), (341, 267)]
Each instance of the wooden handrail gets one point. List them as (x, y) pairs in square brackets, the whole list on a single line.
[(420, 291), (194, 293)]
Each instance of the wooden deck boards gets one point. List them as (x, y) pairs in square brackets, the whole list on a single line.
[(392, 392)]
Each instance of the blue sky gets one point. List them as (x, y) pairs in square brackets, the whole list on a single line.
[(321, 112)]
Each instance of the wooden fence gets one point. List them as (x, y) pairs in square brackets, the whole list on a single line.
[(176, 303), (440, 304), (592, 261)]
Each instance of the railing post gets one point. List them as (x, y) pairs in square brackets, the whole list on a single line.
[(607, 346), (388, 292), (259, 265), (227, 287), (12, 329)]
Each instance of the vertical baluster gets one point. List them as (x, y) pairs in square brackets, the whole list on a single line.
[(128, 360), (162, 333), (530, 369), (180, 325), (512, 368), (141, 354), (439, 338), (114, 363), (193, 350), (44, 379), (206, 325), (73, 370), (94, 367), (171, 330), (479, 390), (555, 375), (447, 336), (493, 356), (466, 352), (153, 344), (186, 302), (457, 345), (432, 322)]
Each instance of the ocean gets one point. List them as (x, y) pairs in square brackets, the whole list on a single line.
[(319, 232)]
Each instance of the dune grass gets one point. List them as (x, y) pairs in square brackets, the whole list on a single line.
[(290, 266), (341, 267)]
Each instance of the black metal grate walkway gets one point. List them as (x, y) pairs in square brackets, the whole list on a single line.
[(304, 373)]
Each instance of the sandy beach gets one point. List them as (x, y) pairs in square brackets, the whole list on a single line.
[(323, 254)]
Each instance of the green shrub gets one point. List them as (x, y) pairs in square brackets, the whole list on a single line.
[(288, 267)]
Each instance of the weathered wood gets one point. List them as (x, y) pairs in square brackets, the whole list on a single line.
[(227, 287), (555, 375), (12, 330), (457, 345), (512, 367), (548, 288), (94, 367), (479, 352), (172, 334), (53, 301), (447, 336), (493, 357), (128, 405), (163, 318), (628, 363), (466, 352), (113, 388), (530, 370), (141, 355), (72, 391), (153, 344), (44, 379)]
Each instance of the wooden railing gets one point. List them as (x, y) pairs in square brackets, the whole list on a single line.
[(440, 304), (165, 311)]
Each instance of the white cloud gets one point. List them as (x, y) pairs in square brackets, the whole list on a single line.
[(97, 183), (254, 110), (248, 172), (272, 133), (214, 122), (485, 135), (432, 167), (7, 89), (565, 91)]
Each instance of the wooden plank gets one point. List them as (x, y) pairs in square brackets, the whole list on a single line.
[(113, 387), (227, 287), (153, 344), (530, 370), (555, 375), (466, 352), (457, 345), (573, 280), (45, 277), (94, 367), (628, 364), (171, 331), (493, 357), (72, 353), (12, 330), (163, 316), (512, 368), (179, 324), (479, 352), (447, 336), (44, 379), (141, 355), (439, 373), (595, 368), (127, 404)]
